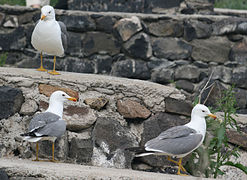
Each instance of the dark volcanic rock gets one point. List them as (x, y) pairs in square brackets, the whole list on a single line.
[(78, 23), (110, 138), (61, 148), (75, 44), (215, 94), (214, 49), (171, 48), (127, 27), (95, 42), (188, 72), (178, 106), (166, 28), (13, 40), (196, 29), (2, 16), (78, 65), (241, 98), (105, 23), (3, 175), (103, 63), (225, 26), (239, 53), (131, 69), (239, 77), (162, 75), (185, 85), (237, 138), (81, 150), (139, 46), (11, 100)]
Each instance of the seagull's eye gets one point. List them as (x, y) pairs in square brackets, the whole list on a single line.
[(49, 12), (203, 111), (63, 94)]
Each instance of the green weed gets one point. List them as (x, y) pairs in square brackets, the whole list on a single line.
[(216, 151)]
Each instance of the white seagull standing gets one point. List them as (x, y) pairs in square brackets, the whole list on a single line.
[(178, 141), (48, 125), (49, 36)]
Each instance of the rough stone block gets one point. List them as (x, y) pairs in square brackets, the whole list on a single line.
[(237, 138), (171, 48), (96, 103), (139, 46), (95, 42), (166, 28), (11, 100), (239, 77), (214, 49), (105, 24), (78, 23), (78, 118), (127, 27), (131, 69), (188, 72), (78, 65), (185, 85), (29, 107), (49, 89), (132, 110), (81, 150), (162, 75), (111, 139), (178, 106), (13, 39), (238, 53)]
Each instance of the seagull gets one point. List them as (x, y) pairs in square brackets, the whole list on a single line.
[(49, 36), (178, 141), (48, 125)]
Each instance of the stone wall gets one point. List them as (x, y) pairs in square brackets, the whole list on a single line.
[(111, 114), (176, 49), (143, 6)]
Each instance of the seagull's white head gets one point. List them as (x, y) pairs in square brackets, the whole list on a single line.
[(202, 111), (60, 96), (47, 13)]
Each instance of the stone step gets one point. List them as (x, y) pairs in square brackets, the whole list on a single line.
[(49, 170)]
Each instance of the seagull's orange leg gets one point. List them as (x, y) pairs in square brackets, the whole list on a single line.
[(181, 167), (54, 72), (53, 149), (41, 64), (37, 152), (170, 159)]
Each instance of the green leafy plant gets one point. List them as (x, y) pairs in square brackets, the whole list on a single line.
[(231, 4), (216, 151), (3, 58)]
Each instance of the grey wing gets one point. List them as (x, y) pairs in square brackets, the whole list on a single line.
[(177, 146), (178, 140), (40, 120), (177, 131), (55, 129), (64, 34)]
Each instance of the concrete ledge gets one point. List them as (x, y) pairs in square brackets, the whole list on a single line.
[(48, 170)]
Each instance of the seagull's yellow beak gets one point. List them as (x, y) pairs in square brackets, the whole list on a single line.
[(212, 116), (42, 17), (72, 99)]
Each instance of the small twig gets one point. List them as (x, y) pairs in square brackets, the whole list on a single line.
[(212, 87), (203, 89)]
